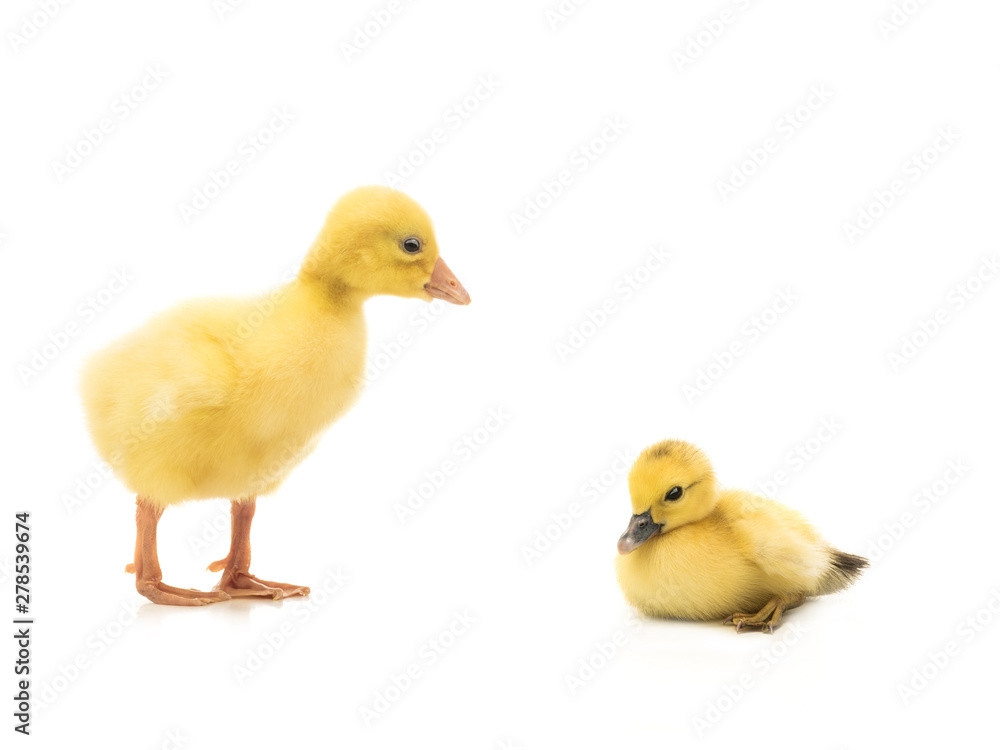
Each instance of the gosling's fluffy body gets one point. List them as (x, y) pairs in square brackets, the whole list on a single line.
[(724, 551), (199, 404), (223, 397)]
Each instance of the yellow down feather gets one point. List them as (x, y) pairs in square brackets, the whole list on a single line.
[(221, 398), (718, 551)]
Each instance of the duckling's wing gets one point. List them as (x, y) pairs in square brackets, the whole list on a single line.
[(780, 542)]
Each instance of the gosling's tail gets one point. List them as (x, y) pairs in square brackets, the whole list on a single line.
[(844, 569)]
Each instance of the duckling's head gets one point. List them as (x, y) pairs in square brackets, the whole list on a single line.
[(672, 483), (377, 240)]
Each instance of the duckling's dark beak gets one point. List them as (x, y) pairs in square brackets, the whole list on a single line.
[(639, 530), (444, 285)]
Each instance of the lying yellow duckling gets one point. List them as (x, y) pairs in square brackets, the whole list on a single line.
[(223, 397), (695, 551)]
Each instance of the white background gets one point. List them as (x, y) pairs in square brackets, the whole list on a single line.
[(831, 676)]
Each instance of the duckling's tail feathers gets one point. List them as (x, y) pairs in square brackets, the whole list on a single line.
[(844, 570)]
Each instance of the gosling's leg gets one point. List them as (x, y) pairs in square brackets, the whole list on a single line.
[(768, 617), (148, 576), (236, 580)]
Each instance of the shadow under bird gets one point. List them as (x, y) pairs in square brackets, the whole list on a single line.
[(695, 551), (224, 397)]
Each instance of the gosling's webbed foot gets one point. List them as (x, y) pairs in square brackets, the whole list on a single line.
[(236, 579), (160, 593), (238, 584)]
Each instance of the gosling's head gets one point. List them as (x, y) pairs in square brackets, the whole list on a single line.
[(377, 240), (672, 483)]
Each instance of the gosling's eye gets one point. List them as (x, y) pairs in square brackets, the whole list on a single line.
[(411, 245), (674, 494)]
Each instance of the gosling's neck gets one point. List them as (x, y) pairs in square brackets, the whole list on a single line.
[(322, 272), (323, 279), (331, 294)]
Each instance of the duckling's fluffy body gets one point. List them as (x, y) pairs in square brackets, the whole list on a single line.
[(712, 553), (735, 559)]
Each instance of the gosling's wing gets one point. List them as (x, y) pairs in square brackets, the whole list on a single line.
[(180, 361)]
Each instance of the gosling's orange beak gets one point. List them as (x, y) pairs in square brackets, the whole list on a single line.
[(444, 285)]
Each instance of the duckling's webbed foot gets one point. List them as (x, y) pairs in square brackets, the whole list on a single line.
[(236, 579), (769, 616)]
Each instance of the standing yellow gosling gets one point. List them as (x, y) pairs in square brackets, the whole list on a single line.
[(223, 397), (694, 551)]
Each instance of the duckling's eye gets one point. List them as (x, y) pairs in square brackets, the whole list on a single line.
[(674, 494), (411, 245)]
